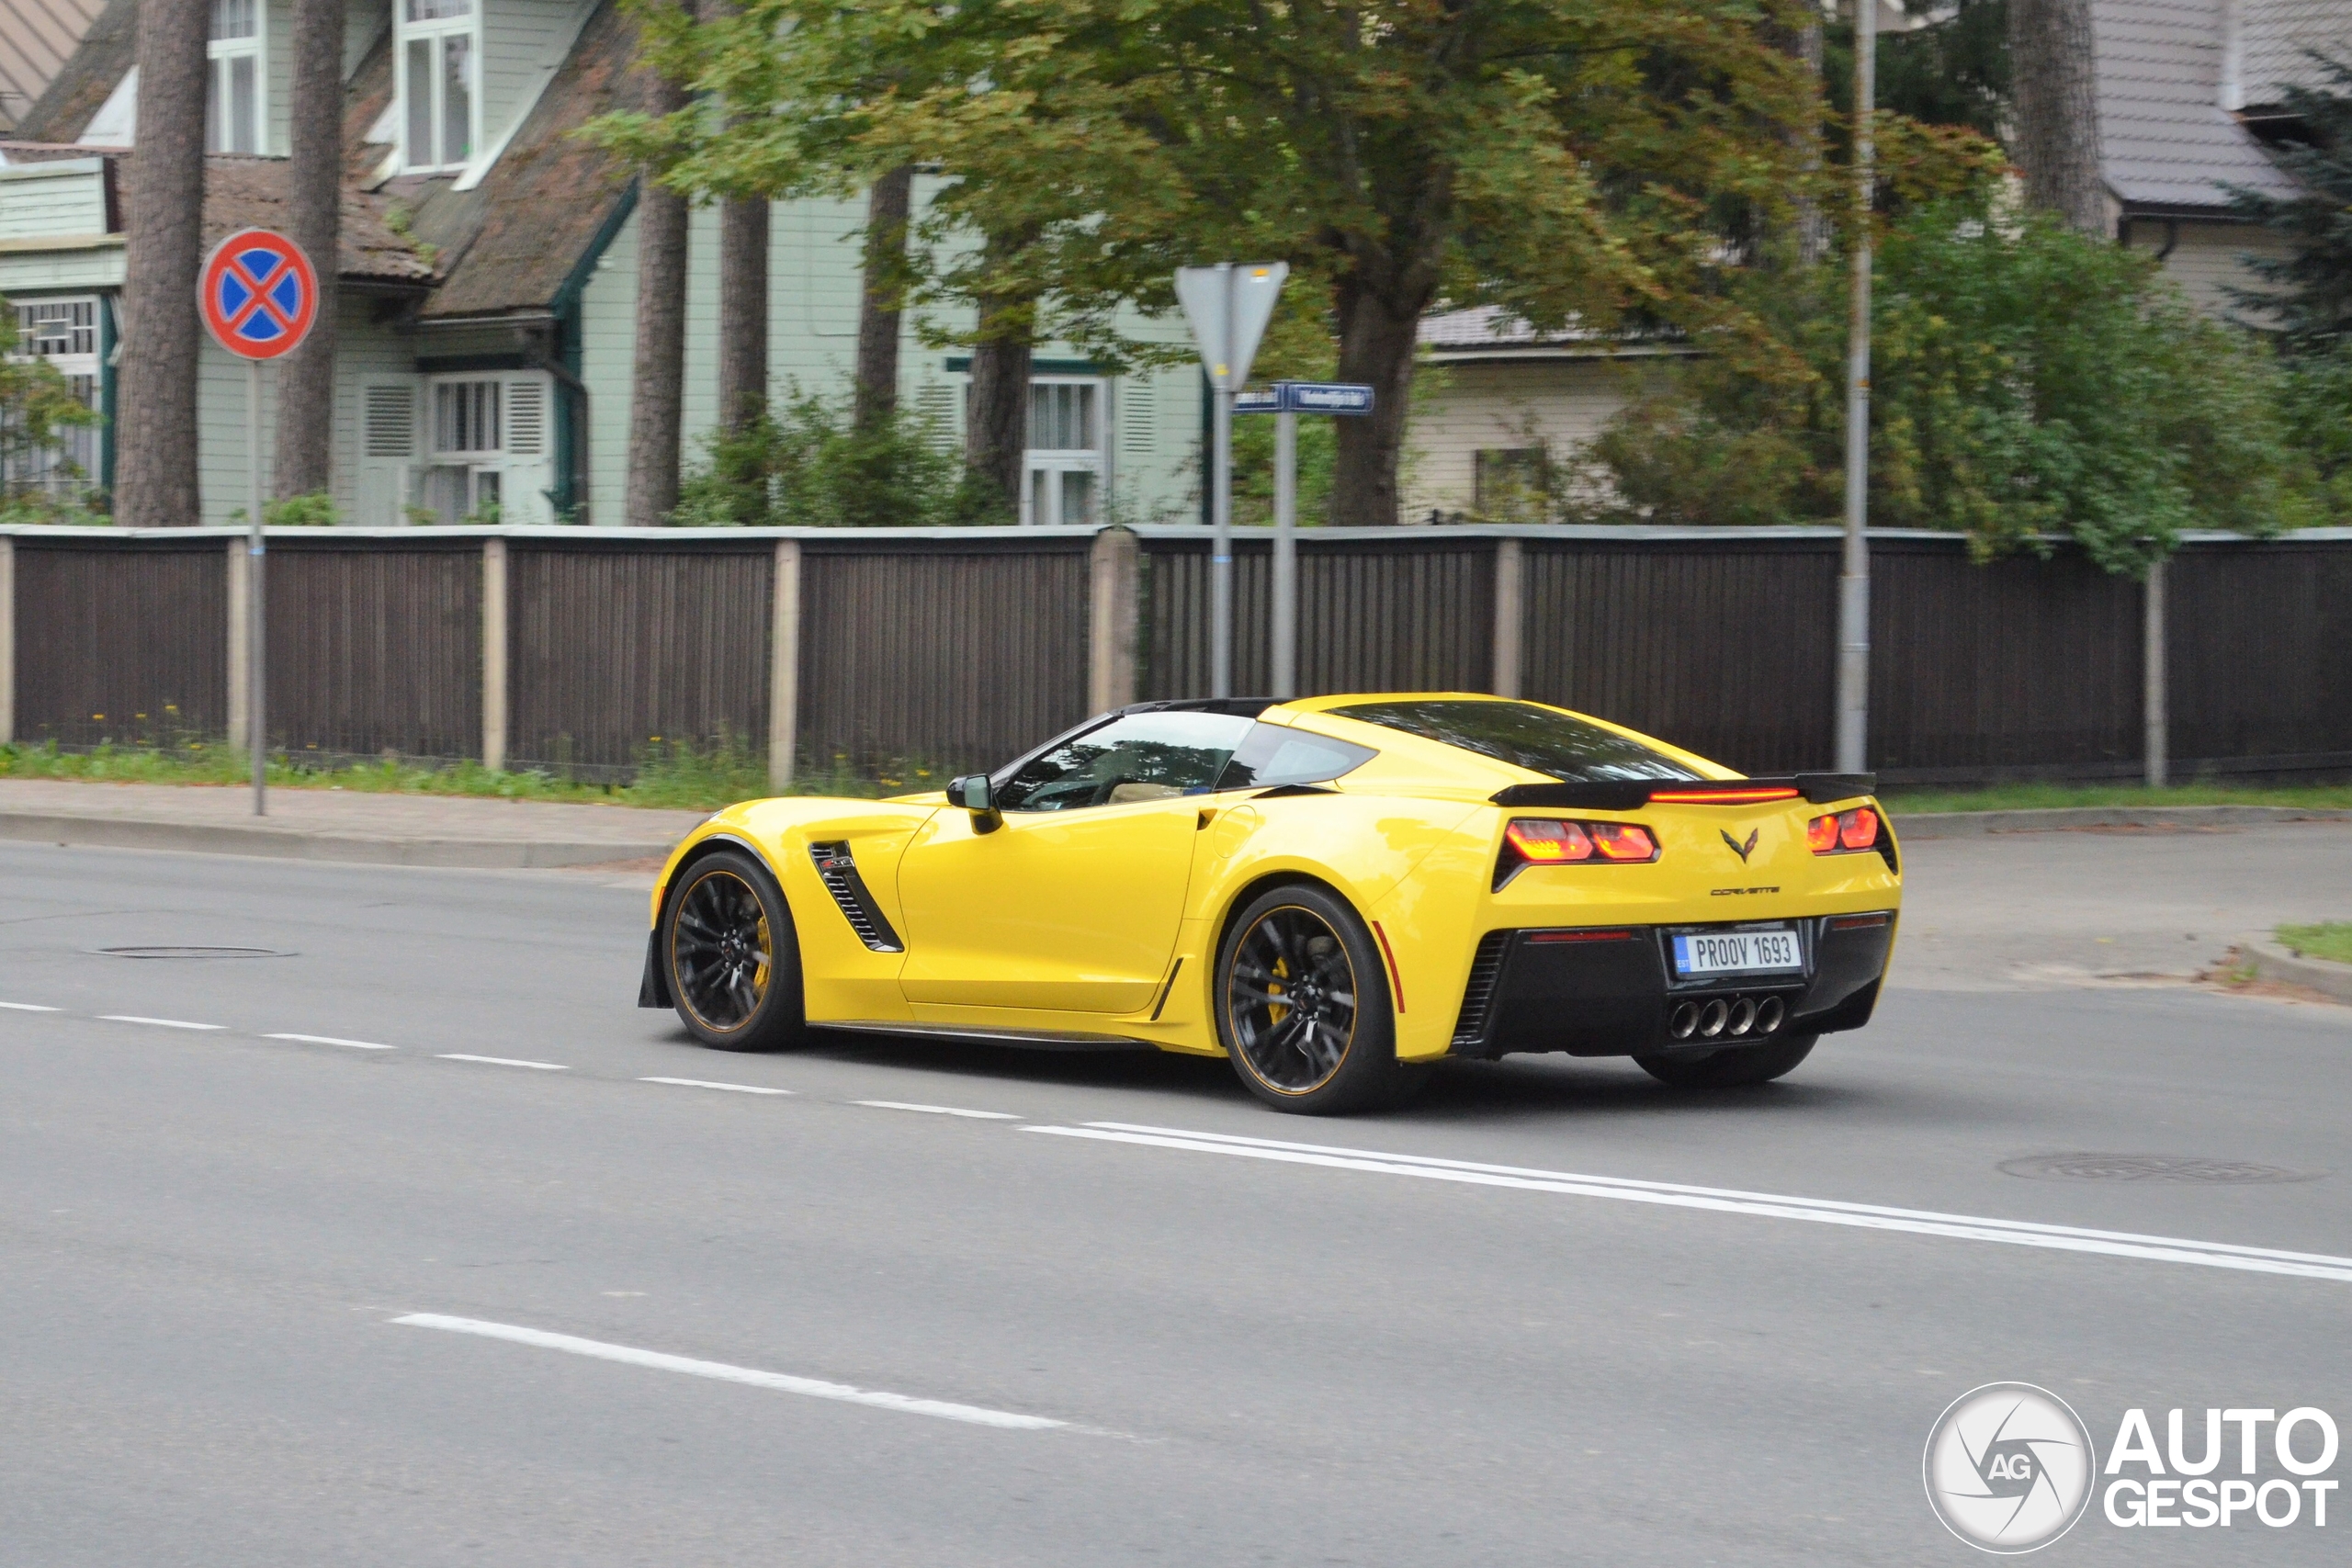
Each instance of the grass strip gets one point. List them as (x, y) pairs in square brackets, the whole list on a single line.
[(2331, 940)]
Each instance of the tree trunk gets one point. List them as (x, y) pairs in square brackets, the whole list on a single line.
[(314, 214), (658, 390), (1376, 346), (996, 435), (887, 209), (155, 464), (743, 311), (1813, 224), (2056, 85)]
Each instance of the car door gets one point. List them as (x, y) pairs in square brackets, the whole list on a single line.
[(1072, 901)]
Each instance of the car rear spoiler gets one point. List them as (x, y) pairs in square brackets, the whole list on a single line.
[(1629, 795)]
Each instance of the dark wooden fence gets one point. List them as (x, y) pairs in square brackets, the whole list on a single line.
[(958, 649)]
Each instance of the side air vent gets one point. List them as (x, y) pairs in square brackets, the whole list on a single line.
[(838, 871), (1486, 968)]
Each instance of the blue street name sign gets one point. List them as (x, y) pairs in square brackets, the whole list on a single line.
[(1307, 397)]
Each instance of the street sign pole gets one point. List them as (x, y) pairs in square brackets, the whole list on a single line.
[(1227, 306), (1286, 403), (258, 296), (255, 598), (1854, 579), (1283, 612), (1221, 502)]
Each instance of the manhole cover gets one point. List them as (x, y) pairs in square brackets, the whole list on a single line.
[(192, 952), (2151, 1167)]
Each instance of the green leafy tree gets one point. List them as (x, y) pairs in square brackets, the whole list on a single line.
[(2029, 382), (1611, 161)]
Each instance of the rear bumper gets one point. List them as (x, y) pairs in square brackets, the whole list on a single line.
[(1611, 991)]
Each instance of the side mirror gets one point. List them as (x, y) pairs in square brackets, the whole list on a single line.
[(975, 795)]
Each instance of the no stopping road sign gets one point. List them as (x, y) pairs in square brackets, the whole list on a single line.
[(258, 294)]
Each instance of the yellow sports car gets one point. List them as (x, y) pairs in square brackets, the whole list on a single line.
[(1333, 892)]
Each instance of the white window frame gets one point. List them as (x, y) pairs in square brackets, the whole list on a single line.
[(222, 56), (79, 365), (436, 33), (1043, 488), (456, 481)]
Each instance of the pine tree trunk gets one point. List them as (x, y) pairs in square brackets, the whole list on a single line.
[(888, 205), (1376, 346), (2056, 90), (743, 311), (658, 390), (996, 435), (155, 464), (314, 213)]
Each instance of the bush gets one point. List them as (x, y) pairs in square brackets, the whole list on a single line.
[(2028, 382), (806, 467)]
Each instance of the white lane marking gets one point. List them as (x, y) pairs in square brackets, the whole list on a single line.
[(731, 1087), (158, 1022), (29, 1006), (784, 1383), (938, 1109), (331, 1040), (505, 1062), (1732, 1200)]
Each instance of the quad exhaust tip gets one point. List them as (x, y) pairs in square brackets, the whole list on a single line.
[(1727, 1017)]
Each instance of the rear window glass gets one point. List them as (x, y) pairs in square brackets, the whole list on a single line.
[(1275, 755), (1543, 740)]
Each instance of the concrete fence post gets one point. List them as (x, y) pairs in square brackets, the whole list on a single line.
[(784, 666), (7, 640), (1511, 614), (241, 642), (2157, 742), (494, 654), (1114, 574)]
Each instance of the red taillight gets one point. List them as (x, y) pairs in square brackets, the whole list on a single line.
[(1623, 841), (1854, 829), (1549, 840), (1542, 841)]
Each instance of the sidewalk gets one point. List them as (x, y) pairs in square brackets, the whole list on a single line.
[(337, 825)]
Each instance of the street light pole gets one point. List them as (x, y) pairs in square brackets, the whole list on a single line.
[(1854, 580)]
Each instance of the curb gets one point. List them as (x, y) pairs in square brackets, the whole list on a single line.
[(1971, 824), (2273, 962), (294, 843)]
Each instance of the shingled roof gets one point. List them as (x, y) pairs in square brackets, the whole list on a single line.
[(80, 87), (512, 242), (2167, 142), (2278, 37)]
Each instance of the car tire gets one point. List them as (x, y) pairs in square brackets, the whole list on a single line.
[(732, 956), (1302, 1009), (1736, 1066)]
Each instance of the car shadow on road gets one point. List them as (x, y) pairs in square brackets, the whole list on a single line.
[(1516, 1088)]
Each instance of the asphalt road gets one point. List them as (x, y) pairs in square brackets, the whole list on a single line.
[(663, 1324)]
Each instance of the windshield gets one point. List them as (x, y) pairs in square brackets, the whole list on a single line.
[(1543, 740)]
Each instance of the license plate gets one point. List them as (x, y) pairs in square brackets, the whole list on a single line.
[(1727, 953)]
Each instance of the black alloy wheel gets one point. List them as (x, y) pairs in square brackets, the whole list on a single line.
[(733, 955), (1734, 1066), (1304, 1008)]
